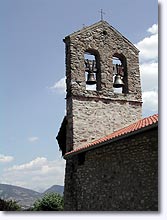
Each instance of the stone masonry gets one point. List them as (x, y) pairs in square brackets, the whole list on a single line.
[(93, 114), (119, 174), (122, 176)]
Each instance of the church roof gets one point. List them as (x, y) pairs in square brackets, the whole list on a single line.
[(139, 126)]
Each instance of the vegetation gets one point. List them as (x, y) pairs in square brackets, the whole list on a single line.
[(26, 197), (50, 202), (9, 205)]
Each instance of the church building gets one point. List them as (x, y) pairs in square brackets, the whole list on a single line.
[(111, 153)]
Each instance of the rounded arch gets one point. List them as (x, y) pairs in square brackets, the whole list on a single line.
[(123, 62), (93, 54)]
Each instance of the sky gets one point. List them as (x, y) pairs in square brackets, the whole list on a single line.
[(32, 67)]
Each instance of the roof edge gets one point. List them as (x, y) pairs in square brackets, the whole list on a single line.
[(126, 135)]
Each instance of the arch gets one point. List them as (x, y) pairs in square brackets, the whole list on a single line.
[(122, 61), (92, 54)]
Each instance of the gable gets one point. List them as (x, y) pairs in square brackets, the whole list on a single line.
[(97, 26)]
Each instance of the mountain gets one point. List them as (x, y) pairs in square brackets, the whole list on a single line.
[(56, 189), (25, 197)]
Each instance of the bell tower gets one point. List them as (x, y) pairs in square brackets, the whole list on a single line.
[(103, 84)]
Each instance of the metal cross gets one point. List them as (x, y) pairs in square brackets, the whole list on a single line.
[(102, 13)]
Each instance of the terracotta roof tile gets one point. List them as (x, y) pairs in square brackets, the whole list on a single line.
[(145, 122)]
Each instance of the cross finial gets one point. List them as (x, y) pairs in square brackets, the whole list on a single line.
[(102, 13)]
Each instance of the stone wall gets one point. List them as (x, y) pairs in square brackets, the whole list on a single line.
[(96, 118), (105, 42), (122, 176)]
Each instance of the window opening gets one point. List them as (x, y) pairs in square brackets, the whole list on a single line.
[(81, 158), (90, 71), (118, 73)]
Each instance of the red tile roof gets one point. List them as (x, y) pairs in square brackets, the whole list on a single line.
[(137, 126)]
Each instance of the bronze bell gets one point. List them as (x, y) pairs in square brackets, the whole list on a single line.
[(91, 79), (118, 83)]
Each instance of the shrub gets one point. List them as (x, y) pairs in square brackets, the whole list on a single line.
[(9, 205), (50, 202)]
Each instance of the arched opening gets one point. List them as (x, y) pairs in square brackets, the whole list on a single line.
[(120, 82), (92, 70)]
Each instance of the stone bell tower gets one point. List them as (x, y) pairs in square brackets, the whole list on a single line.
[(103, 84)]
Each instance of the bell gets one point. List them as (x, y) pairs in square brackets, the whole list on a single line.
[(118, 83), (91, 79)]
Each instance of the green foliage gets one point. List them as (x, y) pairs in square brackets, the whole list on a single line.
[(50, 202), (9, 205)]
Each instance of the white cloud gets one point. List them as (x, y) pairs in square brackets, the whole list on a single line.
[(32, 165), (150, 101), (59, 86), (5, 159), (149, 46), (33, 139), (149, 76), (153, 29), (149, 70), (39, 173)]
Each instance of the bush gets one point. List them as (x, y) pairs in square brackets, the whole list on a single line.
[(9, 205), (50, 202)]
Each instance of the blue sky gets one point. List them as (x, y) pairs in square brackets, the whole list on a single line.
[(32, 66)]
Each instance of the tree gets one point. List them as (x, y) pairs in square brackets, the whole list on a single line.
[(9, 205), (50, 202)]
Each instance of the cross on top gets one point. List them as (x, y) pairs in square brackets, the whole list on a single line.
[(102, 13)]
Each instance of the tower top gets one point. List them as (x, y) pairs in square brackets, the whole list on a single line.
[(104, 25)]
